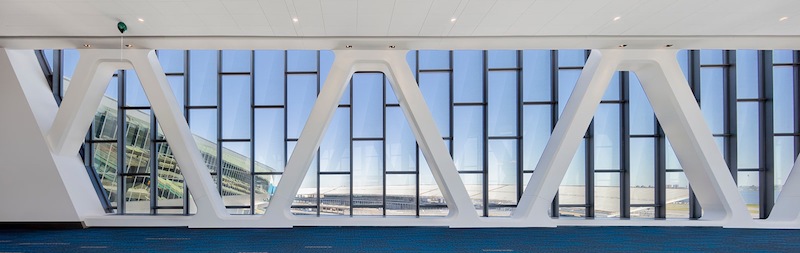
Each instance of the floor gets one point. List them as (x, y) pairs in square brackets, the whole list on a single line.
[(410, 239)]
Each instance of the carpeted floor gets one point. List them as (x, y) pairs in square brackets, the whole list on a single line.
[(414, 239)]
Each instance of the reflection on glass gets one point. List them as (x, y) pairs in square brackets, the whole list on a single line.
[(137, 141), (677, 195), (474, 184), (105, 164), (203, 124), (401, 145), (536, 133), (334, 195), (606, 194), (467, 76), (137, 194), (468, 138), (502, 103), (748, 187), (236, 178), (435, 87), (203, 77), (401, 195), (236, 107), (368, 173), (536, 75), (503, 172), (642, 172), (434, 59), (334, 151), (170, 181), (573, 187), (269, 140), (269, 77)]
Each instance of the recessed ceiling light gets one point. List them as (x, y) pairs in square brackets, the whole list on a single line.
[(617, 18), (622, 46), (348, 46), (295, 20), (141, 20), (783, 18), (453, 20), (87, 45)]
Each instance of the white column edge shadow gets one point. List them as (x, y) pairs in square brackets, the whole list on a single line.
[(391, 63)]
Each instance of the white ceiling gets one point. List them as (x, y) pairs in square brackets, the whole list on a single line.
[(399, 18)]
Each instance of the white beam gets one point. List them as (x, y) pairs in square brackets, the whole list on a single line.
[(565, 139), (787, 206)]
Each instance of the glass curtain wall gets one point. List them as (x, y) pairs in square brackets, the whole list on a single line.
[(495, 110)]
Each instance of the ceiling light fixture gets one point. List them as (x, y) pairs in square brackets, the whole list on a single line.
[(783, 19), (622, 46), (392, 46), (129, 46), (453, 20), (617, 18), (669, 45), (141, 20), (295, 20), (348, 46), (87, 45)]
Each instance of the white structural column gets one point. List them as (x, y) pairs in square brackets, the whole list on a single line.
[(164, 105), (36, 185), (392, 63), (680, 117), (786, 211), (565, 139), (92, 74), (676, 110)]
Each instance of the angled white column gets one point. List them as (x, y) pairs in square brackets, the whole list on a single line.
[(92, 74), (787, 206), (210, 207), (565, 139), (680, 117), (676, 110), (392, 63)]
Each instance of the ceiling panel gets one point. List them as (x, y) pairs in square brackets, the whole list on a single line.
[(399, 17)]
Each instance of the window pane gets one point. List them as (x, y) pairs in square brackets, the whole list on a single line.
[(236, 107), (307, 194), (606, 195), (203, 124), (782, 56), (502, 59), (573, 187), (69, 62), (711, 57), (137, 194), (170, 181), (367, 105), (747, 73), (269, 77), (367, 173), (172, 61), (265, 186), (302, 92), (677, 195), (236, 60), (236, 176), (784, 160), (712, 97), (334, 193), (434, 59), (683, 61), (537, 72), (269, 140), (335, 147), (747, 140), (474, 184), (203, 77), (566, 83), (607, 137), (401, 145), (468, 138), (642, 153), (401, 195), (436, 91), (429, 192), (783, 100), (536, 133), (325, 62), (137, 141), (571, 58), (134, 93), (301, 61), (503, 174), (503, 103), (642, 118), (748, 187), (177, 85), (468, 76), (612, 92), (105, 163)]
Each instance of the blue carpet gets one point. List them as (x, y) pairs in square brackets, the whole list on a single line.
[(415, 239)]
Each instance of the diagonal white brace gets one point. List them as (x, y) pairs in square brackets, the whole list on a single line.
[(787, 206), (163, 103)]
